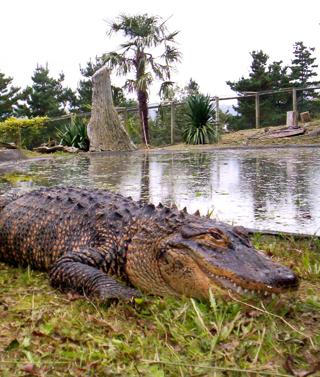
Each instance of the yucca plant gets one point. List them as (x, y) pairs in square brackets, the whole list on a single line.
[(199, 121), (74, 134)]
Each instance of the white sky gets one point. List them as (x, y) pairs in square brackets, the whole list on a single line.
[(215, 37)]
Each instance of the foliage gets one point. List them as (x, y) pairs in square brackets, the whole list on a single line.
[(74, 134), (303, 70), (161, 126), (21, 130), (264, 76), (46, 96), (9, 97), (199, 120), (303, 66), (48, 333), (143, 35), (132, 125)]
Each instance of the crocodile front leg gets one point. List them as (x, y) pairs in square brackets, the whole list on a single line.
[(84, 272)]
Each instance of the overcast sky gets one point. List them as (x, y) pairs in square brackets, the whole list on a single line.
[(215, 36)]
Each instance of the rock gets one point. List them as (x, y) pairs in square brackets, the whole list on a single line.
[(8, 145), (44, 148), (71, 149), (11, 155)]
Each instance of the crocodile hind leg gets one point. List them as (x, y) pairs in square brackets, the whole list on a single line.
[(84, 272)]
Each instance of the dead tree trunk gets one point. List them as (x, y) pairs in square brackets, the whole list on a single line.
[(105, 131)]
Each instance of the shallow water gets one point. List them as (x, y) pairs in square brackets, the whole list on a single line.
[(274, 189)]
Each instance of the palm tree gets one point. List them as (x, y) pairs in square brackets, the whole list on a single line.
[(144, 35)]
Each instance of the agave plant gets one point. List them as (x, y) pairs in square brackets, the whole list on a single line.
[(199, 121), (74, 134)]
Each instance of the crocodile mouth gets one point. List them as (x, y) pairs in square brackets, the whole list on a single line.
[(249, 289)]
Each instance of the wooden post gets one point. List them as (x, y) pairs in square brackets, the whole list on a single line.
[(294, 100), (19, 141), (173, 120), (257, 110), (217, 111), (292, 119)]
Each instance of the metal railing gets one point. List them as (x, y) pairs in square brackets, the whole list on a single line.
[(124, 111)]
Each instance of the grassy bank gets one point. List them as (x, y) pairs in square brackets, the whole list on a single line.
[(46, 333)]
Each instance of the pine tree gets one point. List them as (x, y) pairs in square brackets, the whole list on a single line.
[(46, 96), (303, 73), (9, 97), (303, 66), (262, 77)]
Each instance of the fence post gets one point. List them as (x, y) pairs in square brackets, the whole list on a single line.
[(294, 100), (173, 120), (19, 141), (257, 110), (216, 98)]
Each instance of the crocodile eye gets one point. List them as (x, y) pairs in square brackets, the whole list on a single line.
[(217, 234), (214, 238)]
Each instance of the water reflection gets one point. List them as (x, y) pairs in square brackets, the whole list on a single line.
[(269, 189)]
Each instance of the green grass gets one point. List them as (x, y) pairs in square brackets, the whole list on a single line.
[(46, 333)]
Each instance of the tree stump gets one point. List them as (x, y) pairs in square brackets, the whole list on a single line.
[(105, 130), (305, 117)]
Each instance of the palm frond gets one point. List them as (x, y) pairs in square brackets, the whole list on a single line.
[(166, 90), (122, 64), (144, 81)]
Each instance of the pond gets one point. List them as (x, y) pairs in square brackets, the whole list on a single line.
[(275, 189)]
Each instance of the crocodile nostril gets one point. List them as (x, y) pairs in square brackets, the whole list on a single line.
[(287, 279)]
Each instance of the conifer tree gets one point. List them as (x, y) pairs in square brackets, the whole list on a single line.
[(262, 77), (9, 97), (303, 73), (46, 96)]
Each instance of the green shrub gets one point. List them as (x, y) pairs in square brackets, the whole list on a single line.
[(132, 125), (199, 127), (22, 131), (74, 134)]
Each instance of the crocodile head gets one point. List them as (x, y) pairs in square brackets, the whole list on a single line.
[(203, 255)]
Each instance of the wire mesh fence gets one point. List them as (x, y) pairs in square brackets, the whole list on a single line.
[(167, 121)]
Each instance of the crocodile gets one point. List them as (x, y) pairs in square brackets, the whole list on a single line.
[(107, 246)]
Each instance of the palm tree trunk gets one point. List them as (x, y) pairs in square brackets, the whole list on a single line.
[(143, 113)]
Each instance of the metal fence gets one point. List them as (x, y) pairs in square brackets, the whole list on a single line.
[(167, 119)]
